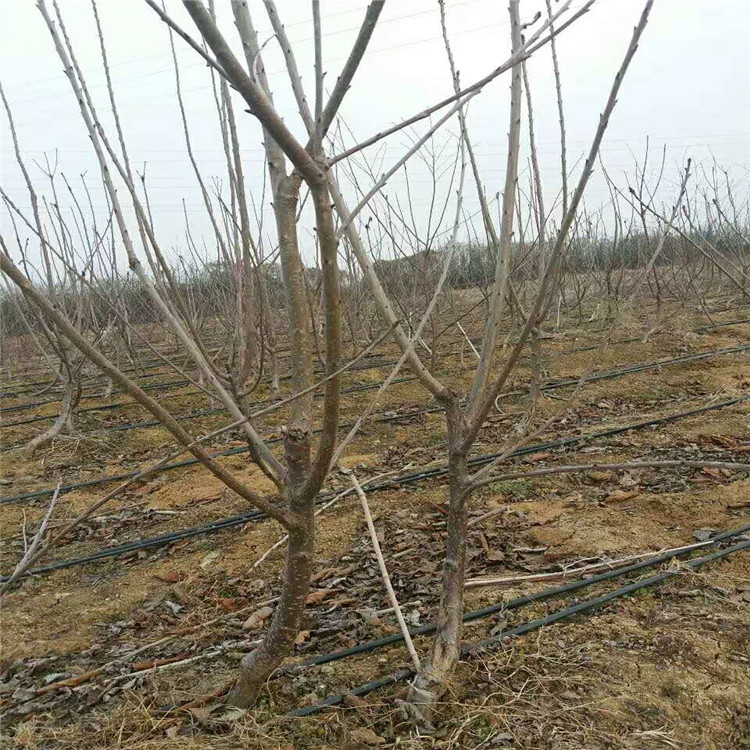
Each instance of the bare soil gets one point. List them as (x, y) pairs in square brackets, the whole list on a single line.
[(668, 667)]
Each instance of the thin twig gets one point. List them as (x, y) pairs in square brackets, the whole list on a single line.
[(322, 508), (581, 571), (575, 468), (384, 573), (35, 542)]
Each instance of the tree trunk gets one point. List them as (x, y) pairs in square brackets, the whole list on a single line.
[(432, 681), (64, 422), (256, 667)]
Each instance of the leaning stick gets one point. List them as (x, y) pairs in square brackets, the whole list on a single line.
[(384, 573), (327, 505), (576, 572), (473, 348)]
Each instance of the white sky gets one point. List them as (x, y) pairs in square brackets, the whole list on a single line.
[(688, 88)]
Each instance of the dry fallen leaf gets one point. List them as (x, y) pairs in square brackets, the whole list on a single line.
[(302, 637), (599, 476), (256, 619), (218, 715), (712, 472), (366, 736), (319, 595), (170, 576), (618, 496), (354, 701)]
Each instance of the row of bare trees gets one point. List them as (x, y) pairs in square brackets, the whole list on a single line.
[(230, 330)]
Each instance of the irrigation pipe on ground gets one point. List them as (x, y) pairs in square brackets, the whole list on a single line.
[(405, 479)]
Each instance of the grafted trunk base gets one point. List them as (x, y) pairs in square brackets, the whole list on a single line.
[(278, 642), (63, 424), (425, 693), (433, 680)]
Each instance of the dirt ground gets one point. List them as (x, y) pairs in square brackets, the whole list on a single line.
[(664, 667)]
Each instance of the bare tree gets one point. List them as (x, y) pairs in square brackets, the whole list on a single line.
[(299, 474)]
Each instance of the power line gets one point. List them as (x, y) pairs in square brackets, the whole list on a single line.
[(282, 71), (200, 64), (405, 147), (287, 25)]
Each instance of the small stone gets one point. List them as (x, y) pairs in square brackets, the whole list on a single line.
[(22, 695), (366, 736), (210, 558), (54, 677), (703, 535), (502, 738)]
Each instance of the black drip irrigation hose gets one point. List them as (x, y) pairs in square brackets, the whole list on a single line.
[(146, 364), (86, 409), (229, 452), (468, 651), (405, 479), (551, 386), (635, 339), (480, 614), (180, 383), (520, 601), (645, 366), (154, 363), (153, 387), (703, 329), (107, 407), (151, 364), (157, 362), (548, 387), (32, 405)]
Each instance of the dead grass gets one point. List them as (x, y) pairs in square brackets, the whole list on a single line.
[(667, 668)]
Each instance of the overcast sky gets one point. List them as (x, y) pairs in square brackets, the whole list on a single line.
[(688, 89)]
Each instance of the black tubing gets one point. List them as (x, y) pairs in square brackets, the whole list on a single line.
[(548, 387), (156, 362), (470, 650), (255, 515), (178, 383), (634, 339), (150, 364), (119, 404), (520, 601), (193, 461), (703, 329), (552, 386), (645, 366), (478, 460)]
